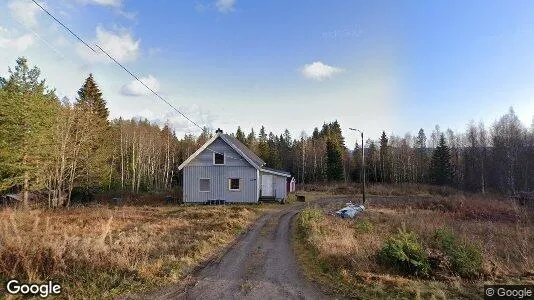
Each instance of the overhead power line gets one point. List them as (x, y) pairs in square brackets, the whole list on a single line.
[(64, 26), (120, 65), (150, 89), (133, 75)]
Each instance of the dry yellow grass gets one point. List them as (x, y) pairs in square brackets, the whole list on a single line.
[(345, 254), (99, 252)]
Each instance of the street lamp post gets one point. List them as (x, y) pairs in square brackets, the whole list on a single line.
[(363, 164)]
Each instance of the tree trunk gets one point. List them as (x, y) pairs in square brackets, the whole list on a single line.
[(25, 195)]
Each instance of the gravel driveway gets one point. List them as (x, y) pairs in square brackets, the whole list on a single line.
[(260, 265)]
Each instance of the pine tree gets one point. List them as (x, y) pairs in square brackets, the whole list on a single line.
[(441, 168), (89, 94), (240, 135), (27, 113)]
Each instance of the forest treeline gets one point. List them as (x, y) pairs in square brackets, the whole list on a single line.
[(52, 148)]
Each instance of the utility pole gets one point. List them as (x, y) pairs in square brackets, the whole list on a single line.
[(363, 165)]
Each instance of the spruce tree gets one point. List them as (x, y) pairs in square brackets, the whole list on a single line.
[(372, 161), (92, 120), (441, 168), (334, 160), (286, 137), (357, 174), (204, 136), (251, 137), (384, 158), (240, 135), (251, 140), (263, 147), (273, 156), (89, 94), (421, 157), (315, 134)]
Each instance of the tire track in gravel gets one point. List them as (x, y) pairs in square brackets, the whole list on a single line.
[(260, 265)]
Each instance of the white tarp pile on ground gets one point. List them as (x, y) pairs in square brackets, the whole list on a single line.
[(350, 210)]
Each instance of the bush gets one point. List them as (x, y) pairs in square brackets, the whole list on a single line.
[(465, 259), (363, 226), (308, 217), (444, 239), (405, 253)]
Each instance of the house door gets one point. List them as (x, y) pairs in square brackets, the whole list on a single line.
[(267, 189)]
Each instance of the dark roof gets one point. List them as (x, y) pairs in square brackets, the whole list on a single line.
[(245, 150), (276, 170)]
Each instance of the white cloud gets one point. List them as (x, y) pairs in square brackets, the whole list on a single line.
[(113, 3), (196, 113), (25, 12), (121, 45), (130, 15), (135, 88), (225, 6), (61, 41), (177, 122), (319, 71), (222, 6), (20, 43)]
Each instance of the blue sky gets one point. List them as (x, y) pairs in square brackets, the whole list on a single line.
[(376, 65)]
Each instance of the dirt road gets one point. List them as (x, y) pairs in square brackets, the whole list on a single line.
[(261, 265)]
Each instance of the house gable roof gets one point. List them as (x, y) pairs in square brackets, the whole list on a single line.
[(275, 171), (244, 149), (241, 149)]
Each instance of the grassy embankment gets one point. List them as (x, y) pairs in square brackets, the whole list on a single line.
[(439, 244), (101, 251)]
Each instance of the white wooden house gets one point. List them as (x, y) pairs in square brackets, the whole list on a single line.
[(225, 170)]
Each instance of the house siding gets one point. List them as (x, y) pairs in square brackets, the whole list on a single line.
[(234, 167), (232, 158), (201, 166), (279, 185), (219, 189)]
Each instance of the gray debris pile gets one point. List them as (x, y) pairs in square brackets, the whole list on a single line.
[(350, 210)]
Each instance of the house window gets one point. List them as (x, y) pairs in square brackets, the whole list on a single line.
[(204, 185), (218, 159), (234, 184)]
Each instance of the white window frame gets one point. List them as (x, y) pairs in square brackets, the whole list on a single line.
[(230, 184), (224, 159), (201, 191)]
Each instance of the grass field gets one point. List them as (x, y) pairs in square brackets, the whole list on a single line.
[(101, 252), (487, 240)]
